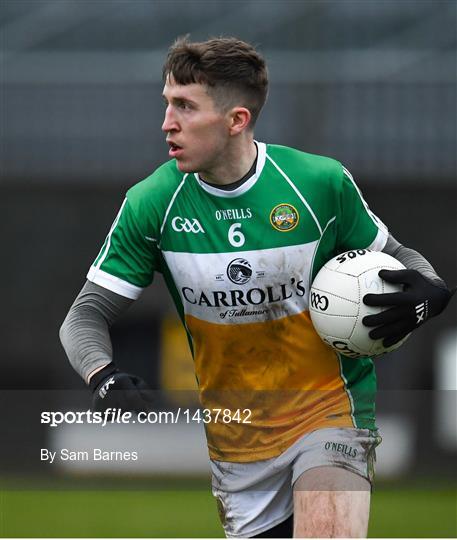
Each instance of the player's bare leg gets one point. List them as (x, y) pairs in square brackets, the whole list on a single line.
[(331, 502)]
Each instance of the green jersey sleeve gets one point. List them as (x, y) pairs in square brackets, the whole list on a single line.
[(129, 256), (358, 226)]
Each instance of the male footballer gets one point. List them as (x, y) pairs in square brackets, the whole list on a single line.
[(239, 228)]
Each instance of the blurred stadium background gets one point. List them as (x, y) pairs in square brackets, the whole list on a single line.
[(371, 83)]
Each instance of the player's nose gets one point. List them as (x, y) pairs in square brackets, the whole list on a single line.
[(169, 121)]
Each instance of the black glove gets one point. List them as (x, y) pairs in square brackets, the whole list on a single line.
[(419, 300), (115, 389)]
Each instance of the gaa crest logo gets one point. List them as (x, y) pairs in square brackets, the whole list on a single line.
[(284, 217), (239, 271), (319, 301)]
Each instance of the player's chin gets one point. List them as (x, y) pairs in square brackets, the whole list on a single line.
[(184, 166)]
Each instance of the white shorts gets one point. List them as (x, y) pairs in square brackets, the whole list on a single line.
[(254, 497)]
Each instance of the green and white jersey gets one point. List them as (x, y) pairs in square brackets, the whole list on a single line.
[(239, 266)]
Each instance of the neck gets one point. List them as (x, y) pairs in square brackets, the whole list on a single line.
[(233, 164)]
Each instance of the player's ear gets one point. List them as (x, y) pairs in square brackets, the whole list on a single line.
[(239, 119)]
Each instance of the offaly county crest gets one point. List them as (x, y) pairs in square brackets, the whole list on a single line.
[(284, 217)]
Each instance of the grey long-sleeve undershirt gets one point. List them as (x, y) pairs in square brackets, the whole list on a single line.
[(85, 331)]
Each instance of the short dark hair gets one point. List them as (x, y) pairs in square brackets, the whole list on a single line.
[(232, 70)]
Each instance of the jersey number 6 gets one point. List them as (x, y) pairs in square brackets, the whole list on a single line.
[(236, 238)]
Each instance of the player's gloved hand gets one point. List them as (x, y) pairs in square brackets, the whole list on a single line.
[(420, 300), (114, 389)]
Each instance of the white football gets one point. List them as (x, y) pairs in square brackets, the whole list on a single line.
[(336, 306)]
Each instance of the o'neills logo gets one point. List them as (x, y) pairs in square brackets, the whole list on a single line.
[(342, 448), (284, 217), (249, 297)]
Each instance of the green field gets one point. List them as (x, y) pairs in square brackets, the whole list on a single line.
[(165, 510)]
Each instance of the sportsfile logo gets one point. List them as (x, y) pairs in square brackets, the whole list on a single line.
[(421, 312), (186, 225)]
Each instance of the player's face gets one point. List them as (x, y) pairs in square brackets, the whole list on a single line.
[(197, 132)]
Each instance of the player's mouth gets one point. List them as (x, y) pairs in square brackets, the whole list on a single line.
[(175, 149)]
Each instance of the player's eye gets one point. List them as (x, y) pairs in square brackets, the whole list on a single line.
[(184, 105)]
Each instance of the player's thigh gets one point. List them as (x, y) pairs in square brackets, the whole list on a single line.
[(331, 502), (253, 498)]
